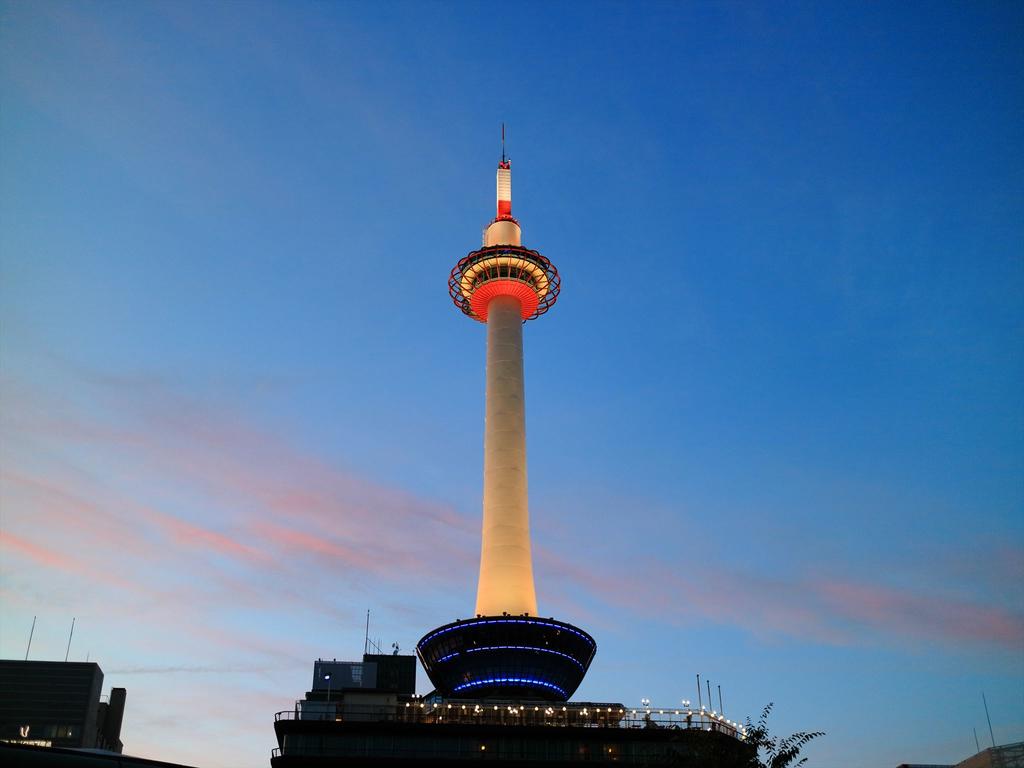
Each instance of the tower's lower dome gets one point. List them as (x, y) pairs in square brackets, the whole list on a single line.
[(507, 657)]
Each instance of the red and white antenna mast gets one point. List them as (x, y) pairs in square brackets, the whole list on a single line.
[(504, 182)]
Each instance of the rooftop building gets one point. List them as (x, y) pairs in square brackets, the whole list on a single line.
[(59, 704), (1005, 756), (367, 725)]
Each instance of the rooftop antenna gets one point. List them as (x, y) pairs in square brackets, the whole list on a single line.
[(721, 709), (977, 746), (991, 735), (70, 635), (366, 637), (699, 702), (30, 633), (503, 159)]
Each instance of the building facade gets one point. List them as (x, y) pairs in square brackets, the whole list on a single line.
[(59, 704), (354, 715)]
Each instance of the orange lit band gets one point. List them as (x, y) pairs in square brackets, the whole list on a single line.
[(504, 270)]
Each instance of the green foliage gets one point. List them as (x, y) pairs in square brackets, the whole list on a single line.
[(777, 752)]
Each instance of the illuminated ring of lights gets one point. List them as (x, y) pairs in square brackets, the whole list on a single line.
[(712, 719), (512, 648), (504, 270), (525, 648), (525, 620), (514, 680)]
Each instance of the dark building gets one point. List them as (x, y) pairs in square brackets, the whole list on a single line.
[(356, 715), (376, 672), (30, 756), (1005, 756), (58, 704)]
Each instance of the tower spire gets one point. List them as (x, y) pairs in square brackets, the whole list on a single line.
[(504, 183)]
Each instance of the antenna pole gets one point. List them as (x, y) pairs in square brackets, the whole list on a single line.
[(70, 635), (977, 746), (503, 142), (30, 633), (991, 735), (711, 702), (699, 702), (721, 709), (366, 637)]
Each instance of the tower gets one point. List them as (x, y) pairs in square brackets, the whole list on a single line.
[(506, 650)]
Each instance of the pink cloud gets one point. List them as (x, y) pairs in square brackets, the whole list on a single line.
[(60, 561), (40, 554), (192, 535), (276, 506), (826, 610), (294, 540), (36, 499), (268, 493), (900, 612)]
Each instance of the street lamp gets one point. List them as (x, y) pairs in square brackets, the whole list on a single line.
[(327, 677)]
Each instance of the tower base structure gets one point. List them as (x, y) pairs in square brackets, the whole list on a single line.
[(505, 657)]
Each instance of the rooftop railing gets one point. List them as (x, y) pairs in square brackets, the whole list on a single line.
[(484, 712)]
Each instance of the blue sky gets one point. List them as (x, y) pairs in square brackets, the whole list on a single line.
[(775, 422)]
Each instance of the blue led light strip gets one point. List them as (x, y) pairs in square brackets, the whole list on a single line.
[(493, 680), (473, 622), (516, 648)]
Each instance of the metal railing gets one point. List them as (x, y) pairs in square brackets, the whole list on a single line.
[(483, 712)]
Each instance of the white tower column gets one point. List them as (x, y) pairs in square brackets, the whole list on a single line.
[(506, 566)]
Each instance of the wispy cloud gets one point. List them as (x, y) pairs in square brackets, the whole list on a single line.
[(268, 499), (895, 611), (819, 606), (212, 536), (276, 509), (209, 531), (196, 536), (59, 561), (189, 670)]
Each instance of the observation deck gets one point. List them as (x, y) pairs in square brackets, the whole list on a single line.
[(504, 270)]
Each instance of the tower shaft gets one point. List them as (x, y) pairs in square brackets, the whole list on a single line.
[(506, 566)]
